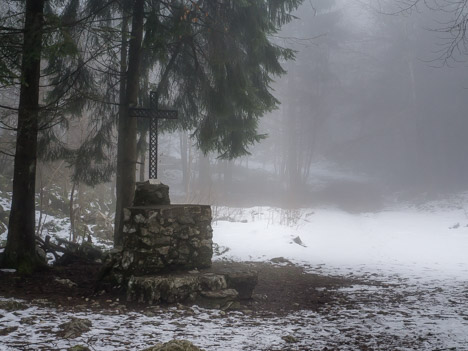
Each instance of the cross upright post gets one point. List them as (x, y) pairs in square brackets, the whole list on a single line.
[(154, 114)]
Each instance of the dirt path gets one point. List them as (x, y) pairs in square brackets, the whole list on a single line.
[(281, 288)]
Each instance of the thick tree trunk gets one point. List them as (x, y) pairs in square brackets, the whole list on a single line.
[(126, 149), (20, 251), (121, 124)]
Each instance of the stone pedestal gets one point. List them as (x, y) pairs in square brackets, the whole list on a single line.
[(166, 238), (165, 246)]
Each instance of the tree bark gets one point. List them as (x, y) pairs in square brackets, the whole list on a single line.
[(126, 148), (20, 251), (72, 214), (121, 124), (142, 172), (184, 159)]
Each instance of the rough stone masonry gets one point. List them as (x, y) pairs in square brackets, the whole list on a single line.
[(166, 250), (159, 237), (166, 238)]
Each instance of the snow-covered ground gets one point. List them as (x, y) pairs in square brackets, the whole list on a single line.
[(411, 264), (418, 254), (427, 241)]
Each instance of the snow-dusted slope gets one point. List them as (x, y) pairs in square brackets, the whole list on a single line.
[(410, 265), (430, 240)]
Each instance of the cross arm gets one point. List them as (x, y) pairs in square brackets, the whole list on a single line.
[(150, 113)]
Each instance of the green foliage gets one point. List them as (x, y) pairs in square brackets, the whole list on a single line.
[(212, 60), (10, 42), (215, 62), (71, 52)]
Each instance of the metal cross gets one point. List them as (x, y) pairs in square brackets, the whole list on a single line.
[(154, 114)]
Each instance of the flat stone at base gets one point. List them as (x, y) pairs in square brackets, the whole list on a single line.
[(219, 299), (175, 345), (207, 289), (162, 289)]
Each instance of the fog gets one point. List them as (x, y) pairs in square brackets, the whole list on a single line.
[(372, 110), (353, 208)]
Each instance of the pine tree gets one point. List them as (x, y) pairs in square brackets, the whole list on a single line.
[(215, 62), (51, 33), (20, 251)]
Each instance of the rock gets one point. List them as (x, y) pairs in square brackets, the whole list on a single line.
[(244, 282), (281, 260), (220, 299), (210, 290), (157, 289), (28, 320), (211, 281), (66, 282), (289, 339), (78, 348), (148, 194), (7, 330), (175, 345), (231, 306), (298, 241), (74, 328), (230, 294), (12, 305)]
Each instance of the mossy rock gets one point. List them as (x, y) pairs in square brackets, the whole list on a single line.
[(78, 348), (175, 345), (12, 305)]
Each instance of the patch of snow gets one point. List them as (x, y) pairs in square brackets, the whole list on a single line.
[(410, 265), (406, 241), (410, 319)]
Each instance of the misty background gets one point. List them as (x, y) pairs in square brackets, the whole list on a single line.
[(372, 112)]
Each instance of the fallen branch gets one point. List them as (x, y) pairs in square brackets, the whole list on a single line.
[(69, 251)]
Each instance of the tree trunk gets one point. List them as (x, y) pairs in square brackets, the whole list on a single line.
[(126, 147), (142, 172), (184, 159), (121, 125), (20, 251), (72, 214)]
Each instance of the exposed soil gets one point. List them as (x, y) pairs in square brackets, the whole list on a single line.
[(281, 288), (286, 287), (316, 312)]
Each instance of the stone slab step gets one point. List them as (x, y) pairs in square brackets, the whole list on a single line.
[(209, 289)]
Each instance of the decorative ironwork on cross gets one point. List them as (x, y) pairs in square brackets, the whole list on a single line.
[(154, 114)]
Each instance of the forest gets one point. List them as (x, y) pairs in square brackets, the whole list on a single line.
[(325, 139)]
